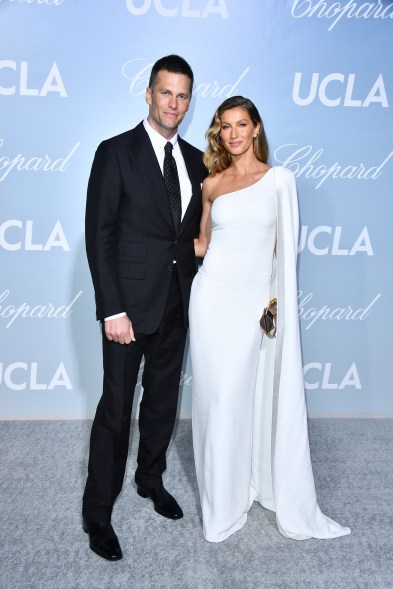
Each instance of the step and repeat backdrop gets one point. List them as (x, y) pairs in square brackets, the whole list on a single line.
[(74, 72)]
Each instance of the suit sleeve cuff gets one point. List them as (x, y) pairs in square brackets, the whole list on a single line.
[(115, 316)]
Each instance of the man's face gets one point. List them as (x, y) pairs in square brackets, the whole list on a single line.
[(168, 102)]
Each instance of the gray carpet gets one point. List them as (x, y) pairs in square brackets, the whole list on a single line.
[(43, 468)]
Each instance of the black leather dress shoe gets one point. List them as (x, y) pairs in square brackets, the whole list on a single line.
[(164, 503), (103, 540)]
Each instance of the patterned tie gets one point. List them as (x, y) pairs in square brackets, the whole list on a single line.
[(171, 179)]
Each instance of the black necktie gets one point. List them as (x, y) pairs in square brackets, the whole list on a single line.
[(171, 179)]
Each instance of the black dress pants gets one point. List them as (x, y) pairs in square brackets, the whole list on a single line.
[(163, 352)]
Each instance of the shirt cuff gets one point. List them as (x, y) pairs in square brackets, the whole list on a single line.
[(115, 316)]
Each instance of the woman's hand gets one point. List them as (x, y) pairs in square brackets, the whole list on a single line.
[(200, 248)]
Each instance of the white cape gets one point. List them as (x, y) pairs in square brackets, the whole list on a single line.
[(282, 458)]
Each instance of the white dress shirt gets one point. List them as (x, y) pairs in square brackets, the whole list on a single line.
[(158, 142)]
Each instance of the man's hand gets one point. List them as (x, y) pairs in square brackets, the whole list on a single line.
[(119, 330)]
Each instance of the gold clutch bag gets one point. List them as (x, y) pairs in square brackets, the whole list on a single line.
[(268, 321)]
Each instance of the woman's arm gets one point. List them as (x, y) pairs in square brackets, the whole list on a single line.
[(201, 244)]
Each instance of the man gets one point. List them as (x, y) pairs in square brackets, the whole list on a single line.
[(142, 213)]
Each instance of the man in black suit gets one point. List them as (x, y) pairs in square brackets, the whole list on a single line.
[(142, 213)]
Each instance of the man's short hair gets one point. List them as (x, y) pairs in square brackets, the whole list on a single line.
[(174, 64)]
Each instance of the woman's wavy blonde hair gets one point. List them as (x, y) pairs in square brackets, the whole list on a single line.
[(216, 158)]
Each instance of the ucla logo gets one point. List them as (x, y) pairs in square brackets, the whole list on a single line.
[(184, 8), (20, 376), (337, 89), (324, 240), (318, 376), (18, 82), (19, 235)]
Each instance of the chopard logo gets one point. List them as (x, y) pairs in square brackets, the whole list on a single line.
[(184, 378), (302, 161), (11, 312), (321, 376), (46, 2), (335, 11), (139, 80), (33, 163), (310, 315)]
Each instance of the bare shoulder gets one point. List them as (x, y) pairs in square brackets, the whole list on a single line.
[(208, 186), (210, 180)]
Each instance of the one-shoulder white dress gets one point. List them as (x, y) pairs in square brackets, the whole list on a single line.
[(250, 442)]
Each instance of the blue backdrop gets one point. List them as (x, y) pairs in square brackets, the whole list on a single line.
[(73, 73)]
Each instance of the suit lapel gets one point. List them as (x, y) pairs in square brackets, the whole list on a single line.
[(194, 179), (145, 161)]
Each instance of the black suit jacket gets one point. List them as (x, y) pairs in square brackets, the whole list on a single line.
[(130, 236)]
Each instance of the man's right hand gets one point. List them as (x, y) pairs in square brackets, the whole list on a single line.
[(119, 330)]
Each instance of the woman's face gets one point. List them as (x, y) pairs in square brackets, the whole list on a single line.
[(237, 131)]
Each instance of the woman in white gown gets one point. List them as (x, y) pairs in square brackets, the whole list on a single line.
[(248, 407)]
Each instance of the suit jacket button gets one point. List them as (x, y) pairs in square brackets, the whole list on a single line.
[(170, 267)]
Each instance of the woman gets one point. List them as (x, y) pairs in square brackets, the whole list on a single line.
[(249, 415)]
